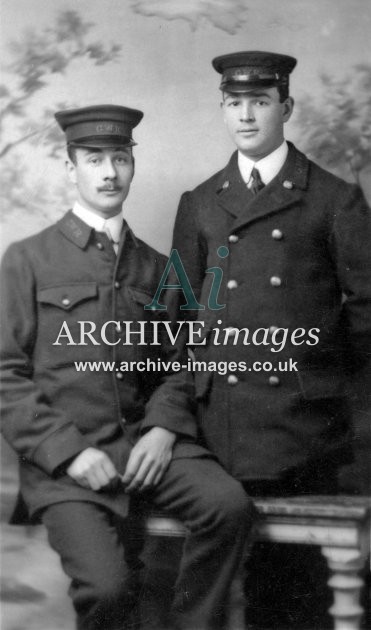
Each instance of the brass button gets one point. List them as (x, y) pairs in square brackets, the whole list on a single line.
[(119, 376), (233, 238), (66, 302), (117, 285), (287, 184), (226, 184), (232, 379), (232, 284), (277, 234), (275, 281), (123, 420), (274, 381), (100, 245)]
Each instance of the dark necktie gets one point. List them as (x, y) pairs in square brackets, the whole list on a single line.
[(256, 183)]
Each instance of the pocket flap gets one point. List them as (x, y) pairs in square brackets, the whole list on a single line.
[(66, 296), (317, 384), (140, 296)]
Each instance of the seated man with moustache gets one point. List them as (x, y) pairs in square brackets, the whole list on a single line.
[(92, 442)]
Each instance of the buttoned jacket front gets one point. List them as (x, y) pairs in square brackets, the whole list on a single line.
[(295, 256), (52, 282)]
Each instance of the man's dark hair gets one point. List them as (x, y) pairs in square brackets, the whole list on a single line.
[(283, 91), (71, 152)]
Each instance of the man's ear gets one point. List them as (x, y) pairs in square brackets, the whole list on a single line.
[(288, 108), (71, 171)]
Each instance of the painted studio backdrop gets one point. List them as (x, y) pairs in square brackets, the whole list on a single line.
[(155, 55)]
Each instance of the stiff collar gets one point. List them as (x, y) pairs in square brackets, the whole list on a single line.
[(268, 166), (79, 232), (284, 190), (295, 169), (113, 224)]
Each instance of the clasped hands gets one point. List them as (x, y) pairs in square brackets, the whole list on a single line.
[(147, 463)]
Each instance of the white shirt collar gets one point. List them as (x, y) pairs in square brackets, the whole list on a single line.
[(100, 224), (268, 166)]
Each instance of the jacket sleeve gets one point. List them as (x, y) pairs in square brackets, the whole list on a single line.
[(36, 431), (351, 242)]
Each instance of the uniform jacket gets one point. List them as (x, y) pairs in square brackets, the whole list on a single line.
[(50, 411), (299, 257)]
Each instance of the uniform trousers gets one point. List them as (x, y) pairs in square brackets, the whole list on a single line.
[(103, 570)]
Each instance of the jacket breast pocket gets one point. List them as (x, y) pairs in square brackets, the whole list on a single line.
[(63, 312), (67, 296), (141, 298), (138, 299)]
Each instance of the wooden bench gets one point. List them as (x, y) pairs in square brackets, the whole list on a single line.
[(339, 525)]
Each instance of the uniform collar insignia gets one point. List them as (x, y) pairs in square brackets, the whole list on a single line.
[(75, 229), (79, 232), (238, 201), (295, 170)]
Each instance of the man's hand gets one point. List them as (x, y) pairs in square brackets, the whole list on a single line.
[(149, 459), (92, 469)]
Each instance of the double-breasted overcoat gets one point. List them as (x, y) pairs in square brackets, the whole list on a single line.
[(297, 256)]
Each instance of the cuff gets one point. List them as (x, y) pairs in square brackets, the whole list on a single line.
[(58, 448)]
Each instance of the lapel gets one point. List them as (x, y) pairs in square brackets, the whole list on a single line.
[(232, 192), (283, 191)]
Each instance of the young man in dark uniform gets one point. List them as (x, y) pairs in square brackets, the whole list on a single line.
[(293, 242), (88, 440)]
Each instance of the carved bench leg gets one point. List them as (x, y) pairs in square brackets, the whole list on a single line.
[(346, 585)]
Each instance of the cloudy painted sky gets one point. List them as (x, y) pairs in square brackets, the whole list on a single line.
[(164, 69)]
